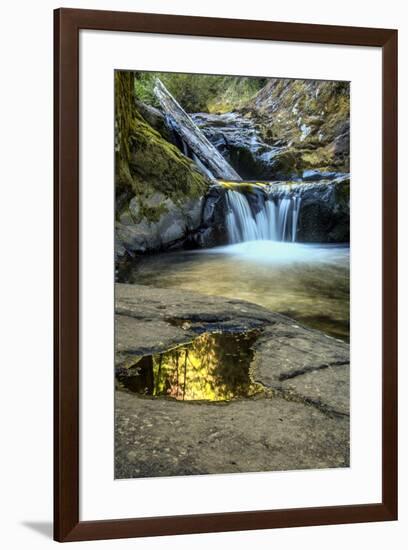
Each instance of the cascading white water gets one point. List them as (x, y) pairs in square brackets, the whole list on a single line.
[(241, 224), (276, 221), (295, 215)]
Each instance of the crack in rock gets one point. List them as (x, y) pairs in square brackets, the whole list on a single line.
[(305, 370)]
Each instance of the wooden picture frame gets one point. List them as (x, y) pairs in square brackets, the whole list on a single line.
[(68, 23)]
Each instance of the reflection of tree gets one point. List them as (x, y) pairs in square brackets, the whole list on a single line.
[(157, 378), (213, 367), (185, 374)]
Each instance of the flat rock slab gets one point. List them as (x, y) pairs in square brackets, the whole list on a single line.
[(135, 337), (151, 320), (160, 437), (287, 349), (148, 303), (326, 388), (301, 421)]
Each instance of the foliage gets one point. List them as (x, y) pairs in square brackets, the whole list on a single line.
[(144, 84), (200, 93)]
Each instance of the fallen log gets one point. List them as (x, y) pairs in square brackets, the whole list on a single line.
[(204, 153)]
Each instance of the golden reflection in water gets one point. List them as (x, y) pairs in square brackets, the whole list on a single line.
[(213, 367)]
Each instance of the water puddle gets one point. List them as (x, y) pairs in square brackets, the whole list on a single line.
[(212, 367)]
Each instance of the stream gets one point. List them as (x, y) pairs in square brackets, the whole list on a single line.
[(307, 282)]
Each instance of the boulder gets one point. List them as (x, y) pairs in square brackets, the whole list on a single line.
[(325, 212), (156, 223)]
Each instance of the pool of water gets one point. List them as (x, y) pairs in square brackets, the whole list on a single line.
[(307, 282), (212, 367)]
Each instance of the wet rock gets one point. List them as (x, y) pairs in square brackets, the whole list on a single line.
[(238, 139), (146, 306), (316, 175), (134, 238), (151, 337), (325, 212), (256, 199), (213, 231)]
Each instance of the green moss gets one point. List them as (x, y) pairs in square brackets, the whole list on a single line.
[(158, 163), (319, 158), (284, 107), (288, 162), (244, 187), (198, 93), (150, 213)]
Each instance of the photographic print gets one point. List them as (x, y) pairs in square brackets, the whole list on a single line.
[(232, 243)]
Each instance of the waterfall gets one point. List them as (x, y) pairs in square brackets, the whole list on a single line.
[(276, 220), (241, 224)]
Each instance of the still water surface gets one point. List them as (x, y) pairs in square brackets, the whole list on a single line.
[(212, 367), (307, 282)]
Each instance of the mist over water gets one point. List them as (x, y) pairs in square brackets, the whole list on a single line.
[(283, 253)]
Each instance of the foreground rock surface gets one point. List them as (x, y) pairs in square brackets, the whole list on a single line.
[(158, 437), (300, 422)]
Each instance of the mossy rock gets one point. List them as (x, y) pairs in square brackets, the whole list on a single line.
[(158, 163), (288, 163), (309, 116)]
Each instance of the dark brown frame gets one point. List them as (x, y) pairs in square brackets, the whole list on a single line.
[(67, 23)]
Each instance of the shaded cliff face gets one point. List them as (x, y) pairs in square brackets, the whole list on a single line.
[(158, 190), (310, 120)]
